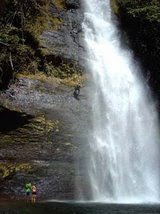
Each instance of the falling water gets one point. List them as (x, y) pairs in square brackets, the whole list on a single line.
[(123, 163)]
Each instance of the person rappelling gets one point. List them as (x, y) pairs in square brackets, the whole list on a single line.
[(76, 92)]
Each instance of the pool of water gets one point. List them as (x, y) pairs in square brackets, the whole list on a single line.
[(77, 208)]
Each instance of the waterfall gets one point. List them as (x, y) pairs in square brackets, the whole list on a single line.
[(123, 156)]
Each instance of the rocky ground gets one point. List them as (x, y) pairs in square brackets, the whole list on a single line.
[(42, 128)]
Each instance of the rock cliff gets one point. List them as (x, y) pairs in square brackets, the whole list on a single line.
[(41, 121), (66, 42)]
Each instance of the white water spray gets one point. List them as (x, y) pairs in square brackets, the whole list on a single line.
[(124, 152)]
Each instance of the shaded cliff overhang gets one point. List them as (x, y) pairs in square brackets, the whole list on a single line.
[(140, 20)]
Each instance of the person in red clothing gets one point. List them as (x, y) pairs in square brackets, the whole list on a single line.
[(34, 194)]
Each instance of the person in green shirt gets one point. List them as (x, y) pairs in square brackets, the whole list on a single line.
[(28, 188)]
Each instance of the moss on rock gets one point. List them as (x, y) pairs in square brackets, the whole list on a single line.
[(56, 22), (9, 169), (60, 4), (115, 7), (42, 124)]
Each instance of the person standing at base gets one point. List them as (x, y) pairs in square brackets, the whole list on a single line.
[(28, 188), (34, 194)]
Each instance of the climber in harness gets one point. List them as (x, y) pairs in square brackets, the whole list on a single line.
[(76, 91)]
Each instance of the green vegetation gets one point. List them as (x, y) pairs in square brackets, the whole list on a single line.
[(140, 19), (60, 4), (114, 6), (62, 71), (147, 10), (10, 169), (21, 24)]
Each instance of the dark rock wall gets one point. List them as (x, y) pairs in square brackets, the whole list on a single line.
[(66, 42), (140, 22)]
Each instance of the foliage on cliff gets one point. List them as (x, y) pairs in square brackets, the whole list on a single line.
[(141, 20), (21, 24), (17, 42)]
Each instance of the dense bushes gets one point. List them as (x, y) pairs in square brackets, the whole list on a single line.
[(21, 48), (18, 41), (21, 24), (141, 20)]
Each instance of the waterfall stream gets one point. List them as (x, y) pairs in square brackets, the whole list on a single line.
[(123, 165)]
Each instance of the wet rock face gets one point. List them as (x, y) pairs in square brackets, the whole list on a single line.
[(46, 128), (66, 41), (51, 124)]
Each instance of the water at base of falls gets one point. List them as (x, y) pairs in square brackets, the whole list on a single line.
[(123, 156)]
